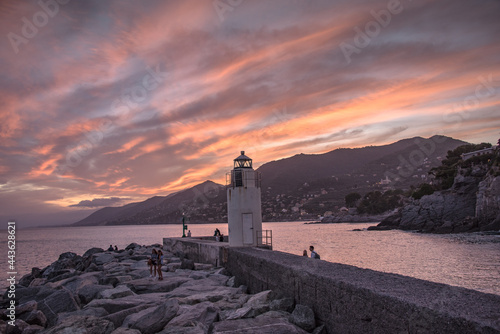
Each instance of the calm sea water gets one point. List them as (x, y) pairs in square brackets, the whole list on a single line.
[(467, 260)]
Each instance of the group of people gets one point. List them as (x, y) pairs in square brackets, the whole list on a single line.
[(155, 263), (110, 248), (314, 255)]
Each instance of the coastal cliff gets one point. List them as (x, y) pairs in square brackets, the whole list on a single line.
[(472, 204)]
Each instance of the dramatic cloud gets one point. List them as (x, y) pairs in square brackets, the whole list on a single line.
[(127, 99)]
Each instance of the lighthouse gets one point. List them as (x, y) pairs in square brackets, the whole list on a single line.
[(244, 211)]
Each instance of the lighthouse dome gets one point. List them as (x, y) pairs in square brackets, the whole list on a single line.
[(242, 161)]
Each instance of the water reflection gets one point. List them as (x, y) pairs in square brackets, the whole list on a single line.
[(470, 261)]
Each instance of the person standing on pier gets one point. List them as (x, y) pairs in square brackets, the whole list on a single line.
[(160, 264)]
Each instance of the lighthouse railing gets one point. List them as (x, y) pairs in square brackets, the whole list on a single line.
[(265, 239), (243, 178)]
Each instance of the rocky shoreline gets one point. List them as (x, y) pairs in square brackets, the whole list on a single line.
[(111, 292), (472, 204)]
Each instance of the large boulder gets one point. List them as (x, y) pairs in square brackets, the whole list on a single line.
[(35, 317), (26, 307), (194, 329), (82, 325), (260, 298), (33, 329), (122, 330), (303, 317), (58, 302), (88, 292), (38, 293), (132, 246), (117, 318), (119, 304), (102, 258), (241, 313), (187, 264), (190, 315), (75, 283), (153, 319), (19, 327), (65, 262), (38, 282), (284, 304), (260, 325), (139, 265), (26, 280), (118, 292), (97, 312), (92, 251), (143, 286)]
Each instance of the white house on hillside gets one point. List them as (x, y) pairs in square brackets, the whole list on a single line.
[(484, 151)]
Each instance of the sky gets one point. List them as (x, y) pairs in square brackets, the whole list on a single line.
[(104, 103)]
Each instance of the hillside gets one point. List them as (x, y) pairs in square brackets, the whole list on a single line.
[(300, 187), (371, 163), (102, 216), (309, 185), (161, 209)]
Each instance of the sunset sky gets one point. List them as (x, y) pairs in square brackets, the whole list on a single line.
[(108, 102)]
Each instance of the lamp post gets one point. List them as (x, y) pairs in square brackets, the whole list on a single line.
[(184, 226)]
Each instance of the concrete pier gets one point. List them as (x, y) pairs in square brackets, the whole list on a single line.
[(348, 299)]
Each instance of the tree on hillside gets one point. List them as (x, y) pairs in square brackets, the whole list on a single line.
[(351, 199), (375, 202), (424, 189)]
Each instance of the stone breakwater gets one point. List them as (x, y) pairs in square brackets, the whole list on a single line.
[(111, 292), (348, 299)]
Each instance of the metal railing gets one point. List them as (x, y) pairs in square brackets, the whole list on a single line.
[(243, 178), (265, 239)]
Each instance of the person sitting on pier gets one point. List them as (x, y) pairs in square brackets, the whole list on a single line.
[(110, 248), (189, 234), (314, 255), (116, 248)]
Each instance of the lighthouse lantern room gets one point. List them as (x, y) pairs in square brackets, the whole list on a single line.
[(244, 211)]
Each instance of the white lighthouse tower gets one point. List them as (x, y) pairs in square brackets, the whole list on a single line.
[(244, 211)]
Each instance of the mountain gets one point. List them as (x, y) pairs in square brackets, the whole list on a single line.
[(291, 173), (102, 216), (161, 209), (299, 187), (305, 186)]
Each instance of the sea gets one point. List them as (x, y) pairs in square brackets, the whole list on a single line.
[(466, 260)]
